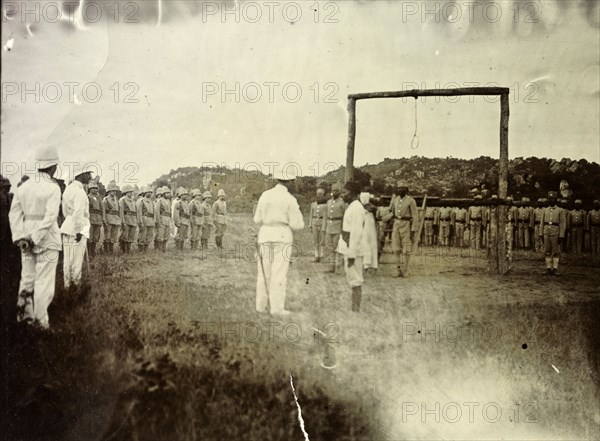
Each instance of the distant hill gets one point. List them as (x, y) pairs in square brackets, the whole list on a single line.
[(443, 177), (453, 177)]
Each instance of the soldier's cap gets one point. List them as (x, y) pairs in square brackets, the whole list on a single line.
[(206, 195), (92, 184), (127, 189), (221, 192), (112, 187), (402, 184), (509, 198), (540, 200), (494, 196), (320, 190), (578, 201), (525, 199), (181, 191), (289, 174), (165, 190), (46, 156), (196, 192), (543, 199), (596, 201), (478, 196), (336, 186), (159, 191), (474, 190), (552, 195)]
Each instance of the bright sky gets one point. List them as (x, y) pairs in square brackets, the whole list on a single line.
[(163, 82)]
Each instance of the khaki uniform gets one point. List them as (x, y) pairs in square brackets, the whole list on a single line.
[(476, 221), (111, 219), (537, 228), (460, 222), (196, 221), (128, 214), (593, 223), (445, 220), (577, 222), (95, 207), (332, 227), (146, 221), (162, 211), (554, 223), (406, 217), (431, 220), (384, 228), (524, 223), (219, 209), (315, 223), (181, 218), (209, 224)]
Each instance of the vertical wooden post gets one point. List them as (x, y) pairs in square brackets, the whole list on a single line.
[(351, 137), (502, 258)]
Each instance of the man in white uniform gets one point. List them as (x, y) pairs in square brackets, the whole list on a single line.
[(34, 224), (76, 227), (358, 241), (278, 214)]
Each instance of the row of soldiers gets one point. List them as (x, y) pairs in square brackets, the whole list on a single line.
[(473, 226), (151, 217)]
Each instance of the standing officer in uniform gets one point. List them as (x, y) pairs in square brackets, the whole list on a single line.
[(445, 220), (593, 223), (460, 219), (208, 219), (111, 218), (128, 215), (76, 227), (219, 209), (431, 219), (145, 218), (33, 221), (315, 223), (577, 222), (95, 210), (566, 242), (475, 221), (196, 218), (332, 226), (406, 223), (554, 223), (278, 214), (537, 218), (162, 211), (525, 218), (181, 217)]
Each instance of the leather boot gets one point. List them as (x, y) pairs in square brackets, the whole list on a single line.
[(111, 248), (356, 298), (163, 246), (90, 247)]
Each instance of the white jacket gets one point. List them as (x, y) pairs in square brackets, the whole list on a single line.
[(34, 213), (363, 238), (277, 213), (76, 209)]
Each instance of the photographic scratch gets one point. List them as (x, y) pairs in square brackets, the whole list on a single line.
[(300, 420)]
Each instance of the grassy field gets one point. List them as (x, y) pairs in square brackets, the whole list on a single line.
[(169, 347)]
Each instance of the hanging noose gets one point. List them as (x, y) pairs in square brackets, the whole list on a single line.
[(414, 144)]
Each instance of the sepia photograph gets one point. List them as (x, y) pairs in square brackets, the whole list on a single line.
[(311, 220)]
